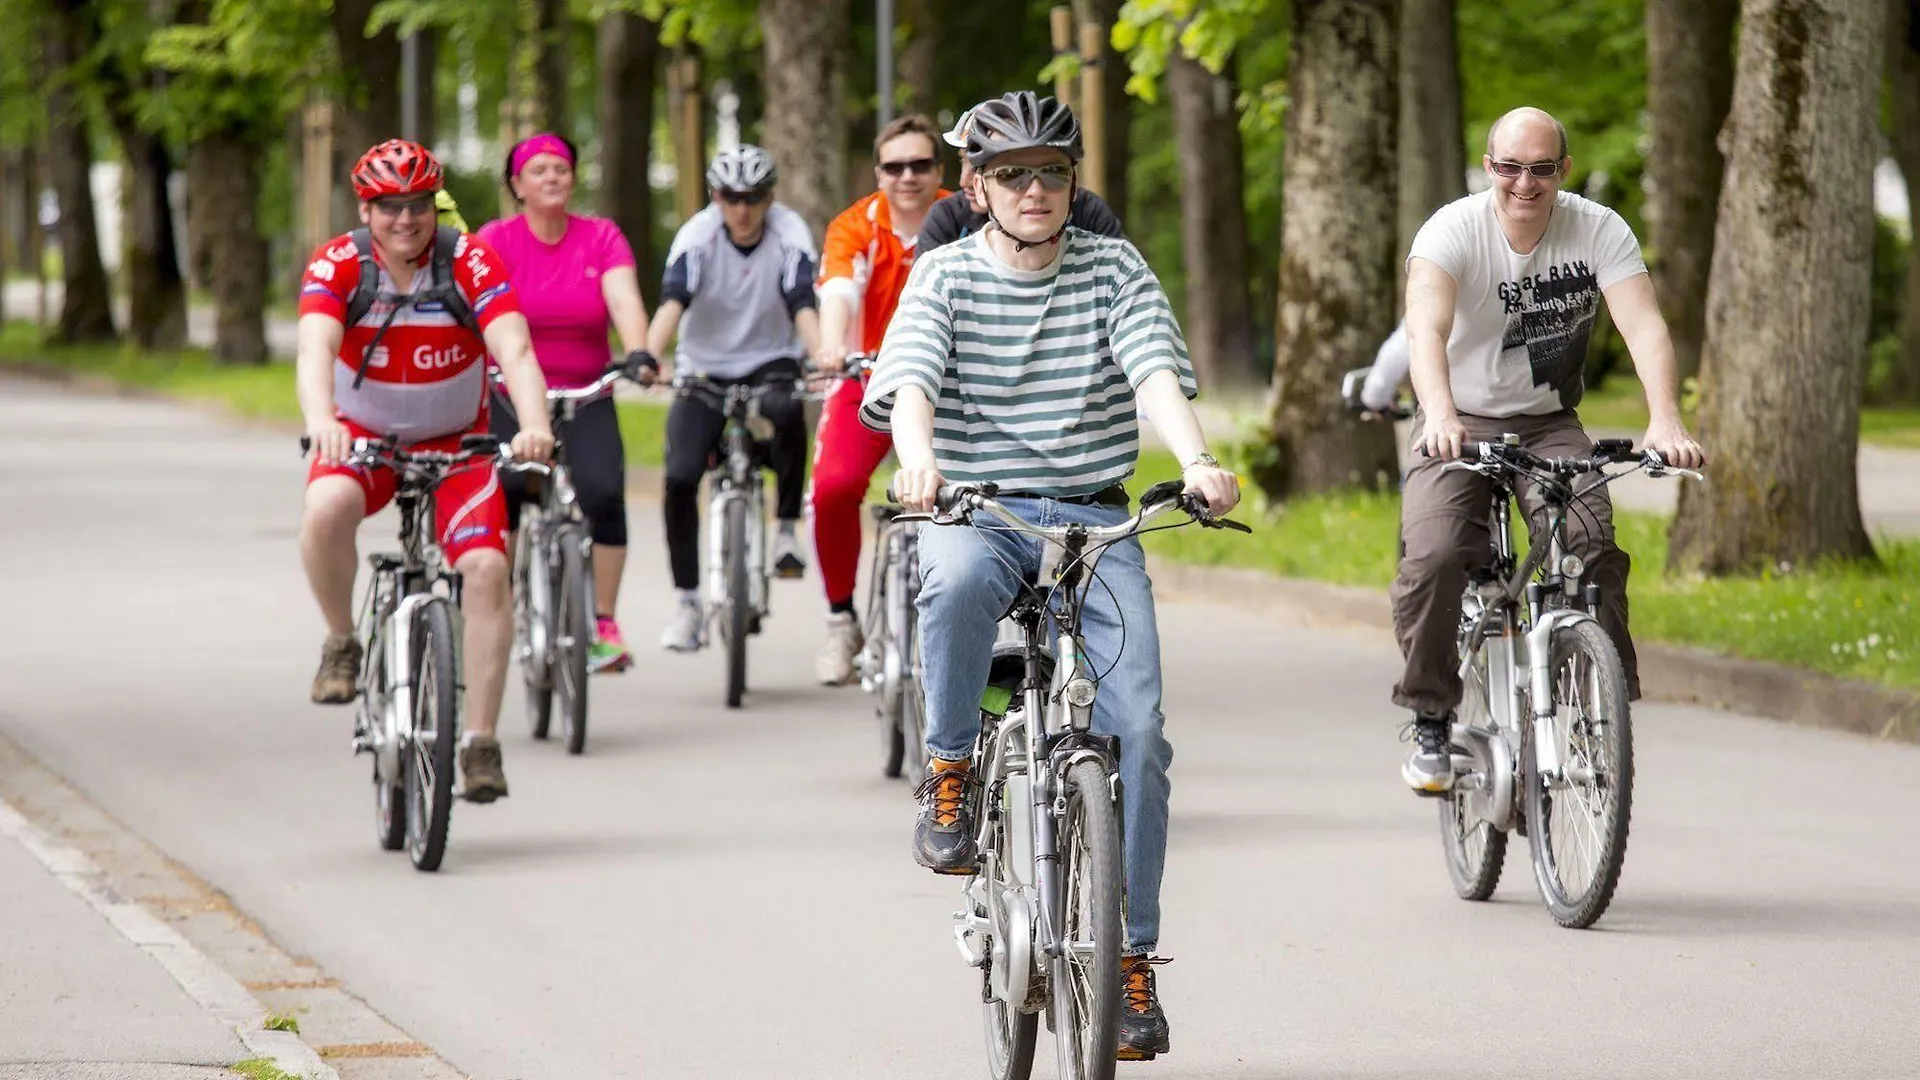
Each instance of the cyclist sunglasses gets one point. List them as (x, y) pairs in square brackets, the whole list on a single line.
[(920, 166), (751, 198), (394, 207), (1021, 177), (1544, 170)]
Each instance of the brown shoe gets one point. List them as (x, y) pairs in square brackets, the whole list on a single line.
[(483, 779), (337, 681)]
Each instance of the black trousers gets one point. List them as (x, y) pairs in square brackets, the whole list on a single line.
[(693, 435), (596, 459)]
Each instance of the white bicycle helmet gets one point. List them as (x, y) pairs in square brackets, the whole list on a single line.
[(744, 168)]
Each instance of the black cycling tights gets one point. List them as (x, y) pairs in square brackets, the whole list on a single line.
[(693, 435), (595, 458)]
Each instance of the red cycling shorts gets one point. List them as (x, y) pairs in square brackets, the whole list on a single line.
[(470, 510)]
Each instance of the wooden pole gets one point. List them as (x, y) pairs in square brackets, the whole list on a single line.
[(1062, 45), (692, 149), (1093, 107), (316, 174)]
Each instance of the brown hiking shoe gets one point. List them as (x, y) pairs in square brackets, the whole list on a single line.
[(337, 681), (1143, 1026), (943, 835), (483, 779)]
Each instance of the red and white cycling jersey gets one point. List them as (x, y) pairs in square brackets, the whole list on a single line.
[(427, 377)]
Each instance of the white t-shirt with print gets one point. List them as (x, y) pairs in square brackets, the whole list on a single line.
[(1521, 322)]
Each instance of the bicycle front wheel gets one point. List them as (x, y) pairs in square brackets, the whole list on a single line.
[(739, 602), (574, 607), (911, 709), (533, 624), (1085, 1006), (428, 755), (1577, 820)]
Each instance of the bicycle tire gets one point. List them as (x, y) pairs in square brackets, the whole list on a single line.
[(429, 754), (1089, 852), (389, 800), (574, 617), (912, 707), (1474, 871), (738, 603), (885, 704), (1609, 690), (536, 671)]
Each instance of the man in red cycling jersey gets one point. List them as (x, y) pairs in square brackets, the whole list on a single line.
[(868, 252), (423, 384)]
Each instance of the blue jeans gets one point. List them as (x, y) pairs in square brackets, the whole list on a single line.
[(969, 579)]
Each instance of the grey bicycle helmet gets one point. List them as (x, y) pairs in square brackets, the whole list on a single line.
[(744, 168), (1021, 120)]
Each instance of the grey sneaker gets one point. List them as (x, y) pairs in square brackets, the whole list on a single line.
[(1429, 767), (835, 665), (683, 630), (337, 681), (787, 560), (483, 780)]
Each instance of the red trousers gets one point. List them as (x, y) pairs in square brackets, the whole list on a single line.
[(845, 455)]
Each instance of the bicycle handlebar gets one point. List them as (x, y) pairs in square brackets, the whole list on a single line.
[(955, 503), (1484, 454), (629, 368), (370, 451)]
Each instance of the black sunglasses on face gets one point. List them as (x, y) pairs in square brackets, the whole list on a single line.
[(751, 198), (920, 166), (395, 207), (1019, 178), (1544, 170)]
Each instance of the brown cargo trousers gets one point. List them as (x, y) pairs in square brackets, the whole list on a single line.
[(1446, 532)]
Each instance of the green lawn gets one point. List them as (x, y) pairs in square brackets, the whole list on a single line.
[(1621, 402), (1844, 620)]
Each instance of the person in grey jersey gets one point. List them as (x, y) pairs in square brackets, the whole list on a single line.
[(1021, 356), (749, 262)]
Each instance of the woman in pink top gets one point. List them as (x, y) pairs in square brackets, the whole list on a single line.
[(574, 275)]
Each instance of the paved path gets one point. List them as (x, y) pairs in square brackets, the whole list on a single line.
[(729, 894)]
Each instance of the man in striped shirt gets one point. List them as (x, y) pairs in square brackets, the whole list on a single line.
[(1017, 356)]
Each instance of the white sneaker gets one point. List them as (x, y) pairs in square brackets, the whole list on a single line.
[(835, 666), (683, 631), (787, 561)]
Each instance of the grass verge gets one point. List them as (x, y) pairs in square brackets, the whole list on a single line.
[(261, 1069), (1841, 619)]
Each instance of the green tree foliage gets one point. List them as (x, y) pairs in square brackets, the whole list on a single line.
[(246, 68)]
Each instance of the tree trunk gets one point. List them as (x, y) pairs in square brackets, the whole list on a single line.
[(1119, 115), (555, 67), (1788, 303), (1903, 74), (86, 312), (1689, 86), (224, 222), (919, 66), (429, 49), (156, 291), (371, 112), (1213, 218), (1432, 135), (1337, 246), (803, 60), (629, 53)]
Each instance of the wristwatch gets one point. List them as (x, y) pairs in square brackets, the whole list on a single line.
[(1202, 458)]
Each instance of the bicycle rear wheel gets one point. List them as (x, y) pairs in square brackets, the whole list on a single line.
[(1577, 821), (574, 618), (428, 756), (534, 624), (1084, 1012), (389, 801), (739, 603), (912, 706)]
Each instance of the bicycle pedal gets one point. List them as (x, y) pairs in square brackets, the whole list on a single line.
[(362, 745), (1125, 1054)]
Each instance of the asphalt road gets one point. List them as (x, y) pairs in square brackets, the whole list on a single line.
[(713, 894)]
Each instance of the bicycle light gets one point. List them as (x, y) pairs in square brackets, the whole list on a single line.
[(1079, 691), (1571, 566)]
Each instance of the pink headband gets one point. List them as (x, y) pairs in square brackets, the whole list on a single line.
[(542, 143)]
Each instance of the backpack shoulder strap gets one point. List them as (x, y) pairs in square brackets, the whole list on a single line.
[(369, 287), (445, 241)]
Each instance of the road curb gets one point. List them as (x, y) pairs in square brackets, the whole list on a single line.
[(1671, 673)]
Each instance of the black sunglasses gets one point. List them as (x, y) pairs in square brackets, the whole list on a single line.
[(920, 166), (394, 207), (1544, 170), (1019, 178), (751, 198)]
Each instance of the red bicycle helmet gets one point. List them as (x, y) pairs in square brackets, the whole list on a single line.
[(396, 167)]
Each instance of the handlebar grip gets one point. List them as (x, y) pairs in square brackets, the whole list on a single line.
[(473, 441), (306, 445)]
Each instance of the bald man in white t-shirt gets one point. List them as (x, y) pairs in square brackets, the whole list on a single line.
[(1502, 290)]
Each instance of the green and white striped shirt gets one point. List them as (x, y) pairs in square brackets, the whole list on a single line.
[(1031, 372)]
